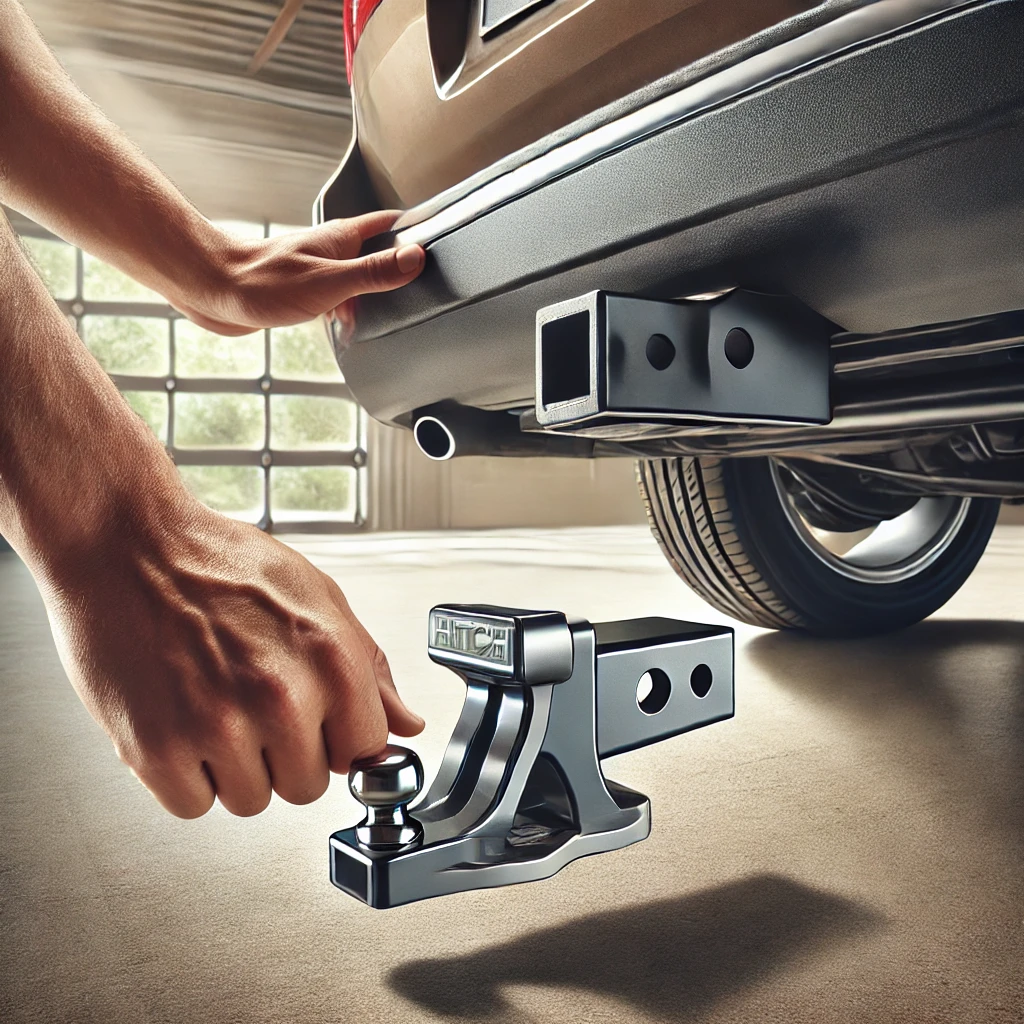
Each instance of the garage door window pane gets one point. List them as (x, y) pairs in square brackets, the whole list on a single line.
[(302, 352), (235, 490), (104, 283), (152, 407), (55, 262), (312, 492), (304, 423), (218, 421), (128, 344), (200, 353)]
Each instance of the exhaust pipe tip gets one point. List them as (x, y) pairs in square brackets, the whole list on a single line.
[(433, 438)]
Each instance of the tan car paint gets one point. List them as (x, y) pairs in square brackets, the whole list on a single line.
[(570, 57)]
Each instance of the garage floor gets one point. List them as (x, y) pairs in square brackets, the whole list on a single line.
[(849, 848)]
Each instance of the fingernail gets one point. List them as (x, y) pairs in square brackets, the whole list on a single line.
[(409, 258)]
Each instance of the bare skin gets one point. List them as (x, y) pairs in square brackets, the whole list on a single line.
[(219, 661)]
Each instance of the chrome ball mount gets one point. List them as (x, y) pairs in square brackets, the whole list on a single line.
[(520, 792)]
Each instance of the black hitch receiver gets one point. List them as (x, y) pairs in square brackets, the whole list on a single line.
[(604, 358)]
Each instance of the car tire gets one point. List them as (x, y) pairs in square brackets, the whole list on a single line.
[(727, 528)]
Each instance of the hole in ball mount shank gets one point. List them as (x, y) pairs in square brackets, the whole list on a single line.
[(653, 691), (701, 679)]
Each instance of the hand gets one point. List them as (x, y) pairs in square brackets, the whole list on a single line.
[(220, 662), (274, 282)]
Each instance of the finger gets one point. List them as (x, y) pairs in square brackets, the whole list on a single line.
[(376, 223), (402, 720), (298, 765), (342, 238), (356, 726), (379, 272), (240, 779), (182, 788)]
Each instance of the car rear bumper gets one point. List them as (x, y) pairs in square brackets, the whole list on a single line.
[(872, 168)]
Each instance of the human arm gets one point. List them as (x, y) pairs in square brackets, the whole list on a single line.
[(219, 661)]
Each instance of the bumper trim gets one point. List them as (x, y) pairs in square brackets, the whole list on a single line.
[(458, 206)]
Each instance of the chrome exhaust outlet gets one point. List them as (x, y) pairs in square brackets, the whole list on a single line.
[(447, 430), (433, 438)]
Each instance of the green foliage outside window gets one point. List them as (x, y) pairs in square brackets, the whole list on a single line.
[(218, 421), (200, 353), (316, 489), (231, 489), (128, 344), (104, 283), (55, 262), (305, 423), (302, 352)]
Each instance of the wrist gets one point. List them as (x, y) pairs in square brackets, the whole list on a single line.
[(209, 281), (200, 266)]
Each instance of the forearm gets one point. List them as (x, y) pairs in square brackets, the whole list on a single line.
[(66, 166), (74, 458)]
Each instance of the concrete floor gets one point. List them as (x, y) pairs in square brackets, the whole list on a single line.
[(848, 848)]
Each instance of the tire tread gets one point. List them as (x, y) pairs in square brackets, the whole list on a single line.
[(691, 519)]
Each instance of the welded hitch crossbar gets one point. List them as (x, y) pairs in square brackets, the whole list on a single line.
[(520, 792)]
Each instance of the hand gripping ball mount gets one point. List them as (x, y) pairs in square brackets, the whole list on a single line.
[(520, 792)]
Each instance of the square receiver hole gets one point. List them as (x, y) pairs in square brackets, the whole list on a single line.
[(565, 358)]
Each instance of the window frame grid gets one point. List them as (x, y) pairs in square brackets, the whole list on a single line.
[(266, 385)]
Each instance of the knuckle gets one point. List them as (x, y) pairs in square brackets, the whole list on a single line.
[(368, 741), (306, 792), (275, 696), (223, 727), (379, 662), (128, 752), (372, 739), (375, 271), (250, 804), (152, 751), (191, 809)]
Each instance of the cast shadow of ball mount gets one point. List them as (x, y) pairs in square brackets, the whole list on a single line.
[(671, 959)]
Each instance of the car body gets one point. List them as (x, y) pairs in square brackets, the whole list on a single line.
[(863, 159)]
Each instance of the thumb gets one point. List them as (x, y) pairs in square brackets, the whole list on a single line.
[(380, 271), (402, 721)]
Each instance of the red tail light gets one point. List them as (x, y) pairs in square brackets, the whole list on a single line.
[(356, 14)]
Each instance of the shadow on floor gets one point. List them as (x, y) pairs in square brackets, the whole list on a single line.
[(672, 959), (951, 689)]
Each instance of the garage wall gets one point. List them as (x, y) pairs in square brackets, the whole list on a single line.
[(410, 492)]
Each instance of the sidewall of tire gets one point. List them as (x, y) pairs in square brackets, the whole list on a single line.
[(827, 601)]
